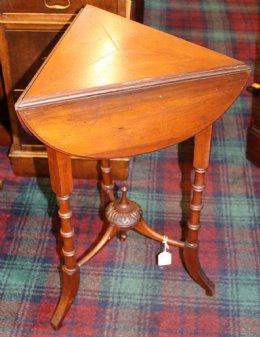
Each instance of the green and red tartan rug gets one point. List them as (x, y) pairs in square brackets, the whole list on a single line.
[(123, 293)]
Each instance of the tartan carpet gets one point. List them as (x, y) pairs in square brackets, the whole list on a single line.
[(123, 293)]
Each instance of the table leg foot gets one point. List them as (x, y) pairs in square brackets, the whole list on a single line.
[(194, 269), (70, 285)]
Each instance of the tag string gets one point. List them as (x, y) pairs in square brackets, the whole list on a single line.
[(165, 240)]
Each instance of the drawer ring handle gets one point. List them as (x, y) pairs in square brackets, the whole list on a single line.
[(57, 6)]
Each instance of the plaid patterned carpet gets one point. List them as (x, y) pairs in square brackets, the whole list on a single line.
[(123, 293)]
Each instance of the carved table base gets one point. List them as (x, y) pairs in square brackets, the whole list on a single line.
[(123, 215)]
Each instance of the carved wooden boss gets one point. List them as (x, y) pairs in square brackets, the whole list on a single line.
[(115, 88)]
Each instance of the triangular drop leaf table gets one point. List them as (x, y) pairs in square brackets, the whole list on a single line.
[(115, 88)]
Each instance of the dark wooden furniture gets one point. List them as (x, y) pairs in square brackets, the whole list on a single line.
[(28, 32), (5, 136), (137, 90), (253, 138)]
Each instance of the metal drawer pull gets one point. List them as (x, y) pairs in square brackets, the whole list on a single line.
[(57, 6)]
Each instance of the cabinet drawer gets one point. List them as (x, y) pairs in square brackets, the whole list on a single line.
[(54, 6)]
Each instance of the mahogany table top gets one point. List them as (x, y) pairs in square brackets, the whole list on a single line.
[(113, 87)]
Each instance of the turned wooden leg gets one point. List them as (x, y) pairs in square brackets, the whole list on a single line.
[(107, 185), (61, 182), (107, 195), (190, 251)]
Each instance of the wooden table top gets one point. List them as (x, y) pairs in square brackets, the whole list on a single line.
[(113, 87)]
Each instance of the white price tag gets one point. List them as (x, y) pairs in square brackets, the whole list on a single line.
[(164, 258)]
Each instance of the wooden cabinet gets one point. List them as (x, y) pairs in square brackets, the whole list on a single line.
[(28, 32), (52, 6)]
